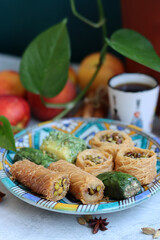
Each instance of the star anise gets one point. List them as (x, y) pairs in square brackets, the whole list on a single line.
[(98, 224), (1, 196)]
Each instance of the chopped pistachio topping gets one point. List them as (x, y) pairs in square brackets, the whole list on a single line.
[(112, 138), (96, 159), (137, 155), (59, 142)]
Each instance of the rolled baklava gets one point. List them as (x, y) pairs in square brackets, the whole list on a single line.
[(50, 184), (111, 141), (83, 186), (140, 163), (94, 161)]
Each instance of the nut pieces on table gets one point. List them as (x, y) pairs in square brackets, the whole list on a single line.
[(151, 231), (95, 223)]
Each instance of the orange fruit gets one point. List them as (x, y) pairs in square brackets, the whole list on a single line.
[(110, 67), (10, 84)]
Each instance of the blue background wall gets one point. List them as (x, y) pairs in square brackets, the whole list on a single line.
[(22, 20)]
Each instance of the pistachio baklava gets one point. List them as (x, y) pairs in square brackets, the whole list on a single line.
[(94, 161), (111, 141), (50, 184), (140, 163), (61, 145), (83, 186)]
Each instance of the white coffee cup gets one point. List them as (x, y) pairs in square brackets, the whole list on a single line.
[(133, 107)]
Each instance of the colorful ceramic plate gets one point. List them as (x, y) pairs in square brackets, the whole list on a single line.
[(85, 129)]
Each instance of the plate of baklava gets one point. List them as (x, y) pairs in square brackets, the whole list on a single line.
[(82, 166)]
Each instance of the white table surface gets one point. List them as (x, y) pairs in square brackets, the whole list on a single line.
[(19, 220)]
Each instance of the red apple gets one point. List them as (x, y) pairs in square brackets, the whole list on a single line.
[(43, 113), (16, 109)]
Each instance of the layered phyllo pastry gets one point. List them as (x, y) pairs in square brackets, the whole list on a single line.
[(140, 163), (111, 141), (50, 184), (83, 186), (94, 161), (61, 145)]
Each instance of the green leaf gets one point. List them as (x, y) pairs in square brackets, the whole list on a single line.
[(136, 47), (6, 135), (45, 62)]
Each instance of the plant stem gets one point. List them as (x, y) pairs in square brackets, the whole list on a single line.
[(82, 93), (62, 114), (102, 16), (68, 105), (83, 19)]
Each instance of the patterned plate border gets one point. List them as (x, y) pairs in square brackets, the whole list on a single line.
[(79, 126)]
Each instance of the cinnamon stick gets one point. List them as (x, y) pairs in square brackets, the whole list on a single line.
[(88, 110)]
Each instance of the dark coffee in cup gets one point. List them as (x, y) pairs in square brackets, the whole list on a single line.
[(133, 87)]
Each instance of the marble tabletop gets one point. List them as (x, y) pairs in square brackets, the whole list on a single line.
[(19, 220)]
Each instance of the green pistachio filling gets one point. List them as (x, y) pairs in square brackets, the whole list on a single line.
[(137, 155), (132, 189), (60, 186), (112, 138), (93, 191), (96, 159)]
